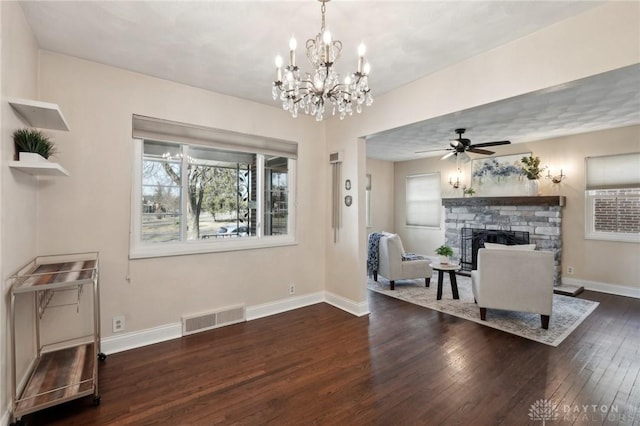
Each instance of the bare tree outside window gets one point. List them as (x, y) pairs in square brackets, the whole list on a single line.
[(217, 193)]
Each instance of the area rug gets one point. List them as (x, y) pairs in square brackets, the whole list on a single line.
[(568, 312)]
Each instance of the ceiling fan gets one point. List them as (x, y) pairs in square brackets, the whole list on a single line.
[(462, 145)]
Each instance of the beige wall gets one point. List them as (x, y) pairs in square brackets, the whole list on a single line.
[(90, 210), (382, 195), (612, 263), (18, 203)]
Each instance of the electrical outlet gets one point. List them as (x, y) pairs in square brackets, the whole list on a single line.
[(570, 270), (292, 288), (118, 324)]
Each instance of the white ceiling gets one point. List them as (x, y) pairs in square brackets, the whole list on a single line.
[(229, 47)]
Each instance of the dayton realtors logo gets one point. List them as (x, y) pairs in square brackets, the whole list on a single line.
[(545, 410)]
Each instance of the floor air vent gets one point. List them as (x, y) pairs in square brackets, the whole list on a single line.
[(201, 322)]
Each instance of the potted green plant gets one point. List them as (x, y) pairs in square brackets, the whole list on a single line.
[(445, 252), (32, 141), (532, 170), (531, 167), (468, 191)]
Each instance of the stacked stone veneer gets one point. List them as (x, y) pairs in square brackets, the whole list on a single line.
[(541, 217)]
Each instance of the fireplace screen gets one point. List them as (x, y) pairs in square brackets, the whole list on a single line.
[(473, 239)]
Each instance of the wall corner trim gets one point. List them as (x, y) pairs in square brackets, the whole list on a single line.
[(358, 309)]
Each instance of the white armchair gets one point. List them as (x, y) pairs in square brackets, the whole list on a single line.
[(514, 280), (392, 267)]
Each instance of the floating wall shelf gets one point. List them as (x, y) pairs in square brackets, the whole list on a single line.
[(43, 115), (39, 168)]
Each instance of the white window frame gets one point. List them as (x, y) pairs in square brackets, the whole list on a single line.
[(436, 177), (139, 249), (590, 228)]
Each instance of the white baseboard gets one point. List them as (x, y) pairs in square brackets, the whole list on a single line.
[(619, 290), (358, 309), (284, 305), (136, 339)]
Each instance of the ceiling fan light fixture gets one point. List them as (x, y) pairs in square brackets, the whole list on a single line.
[(463, 157)]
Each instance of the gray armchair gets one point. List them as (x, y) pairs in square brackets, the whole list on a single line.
[(393, 267), (514, 280)]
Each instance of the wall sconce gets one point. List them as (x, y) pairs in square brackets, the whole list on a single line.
[(557, 178), (456, 183)]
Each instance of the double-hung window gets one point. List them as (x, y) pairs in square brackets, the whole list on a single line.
[(613, 197), (199, 190)]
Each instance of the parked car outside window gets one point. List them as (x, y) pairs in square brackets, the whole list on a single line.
[(233, 231)]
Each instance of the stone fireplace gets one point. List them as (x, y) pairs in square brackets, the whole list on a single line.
[(540, 217)]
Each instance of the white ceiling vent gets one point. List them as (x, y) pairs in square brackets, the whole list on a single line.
[(206, 321)]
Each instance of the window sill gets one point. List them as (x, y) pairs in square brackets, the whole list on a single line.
[(624, 238), (201, 247)]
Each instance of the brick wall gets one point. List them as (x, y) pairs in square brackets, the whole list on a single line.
[(617, 213)]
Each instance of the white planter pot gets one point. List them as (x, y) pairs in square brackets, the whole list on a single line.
[(444, 260), (533, 187), (31, 157)]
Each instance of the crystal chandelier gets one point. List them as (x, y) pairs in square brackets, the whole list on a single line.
[(315, 92)]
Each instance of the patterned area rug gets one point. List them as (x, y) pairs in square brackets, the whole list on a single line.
[(568, 312)]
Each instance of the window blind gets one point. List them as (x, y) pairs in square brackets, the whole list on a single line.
[(160, 130), (423, 202), (613, 171)]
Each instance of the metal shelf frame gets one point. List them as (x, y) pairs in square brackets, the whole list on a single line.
[(66, 369)]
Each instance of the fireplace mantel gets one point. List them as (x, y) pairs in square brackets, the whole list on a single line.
[(555, 200)]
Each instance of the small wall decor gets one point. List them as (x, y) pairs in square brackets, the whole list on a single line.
[(348, 200), (347, 184), (498, 176)]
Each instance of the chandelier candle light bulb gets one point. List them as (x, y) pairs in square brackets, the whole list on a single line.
[(292, 51), (326, 38), (362, 49), (279, 67), (312, 91)]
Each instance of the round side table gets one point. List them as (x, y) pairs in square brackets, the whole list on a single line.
[(451, 269)]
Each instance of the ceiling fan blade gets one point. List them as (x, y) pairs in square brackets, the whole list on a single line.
[(448, 155), (496, 143), (432, 150), (480, 151)]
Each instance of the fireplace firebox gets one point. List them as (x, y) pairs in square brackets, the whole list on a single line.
[(473, 239)]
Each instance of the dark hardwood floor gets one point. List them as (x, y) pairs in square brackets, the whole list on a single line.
[(403, 364)]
